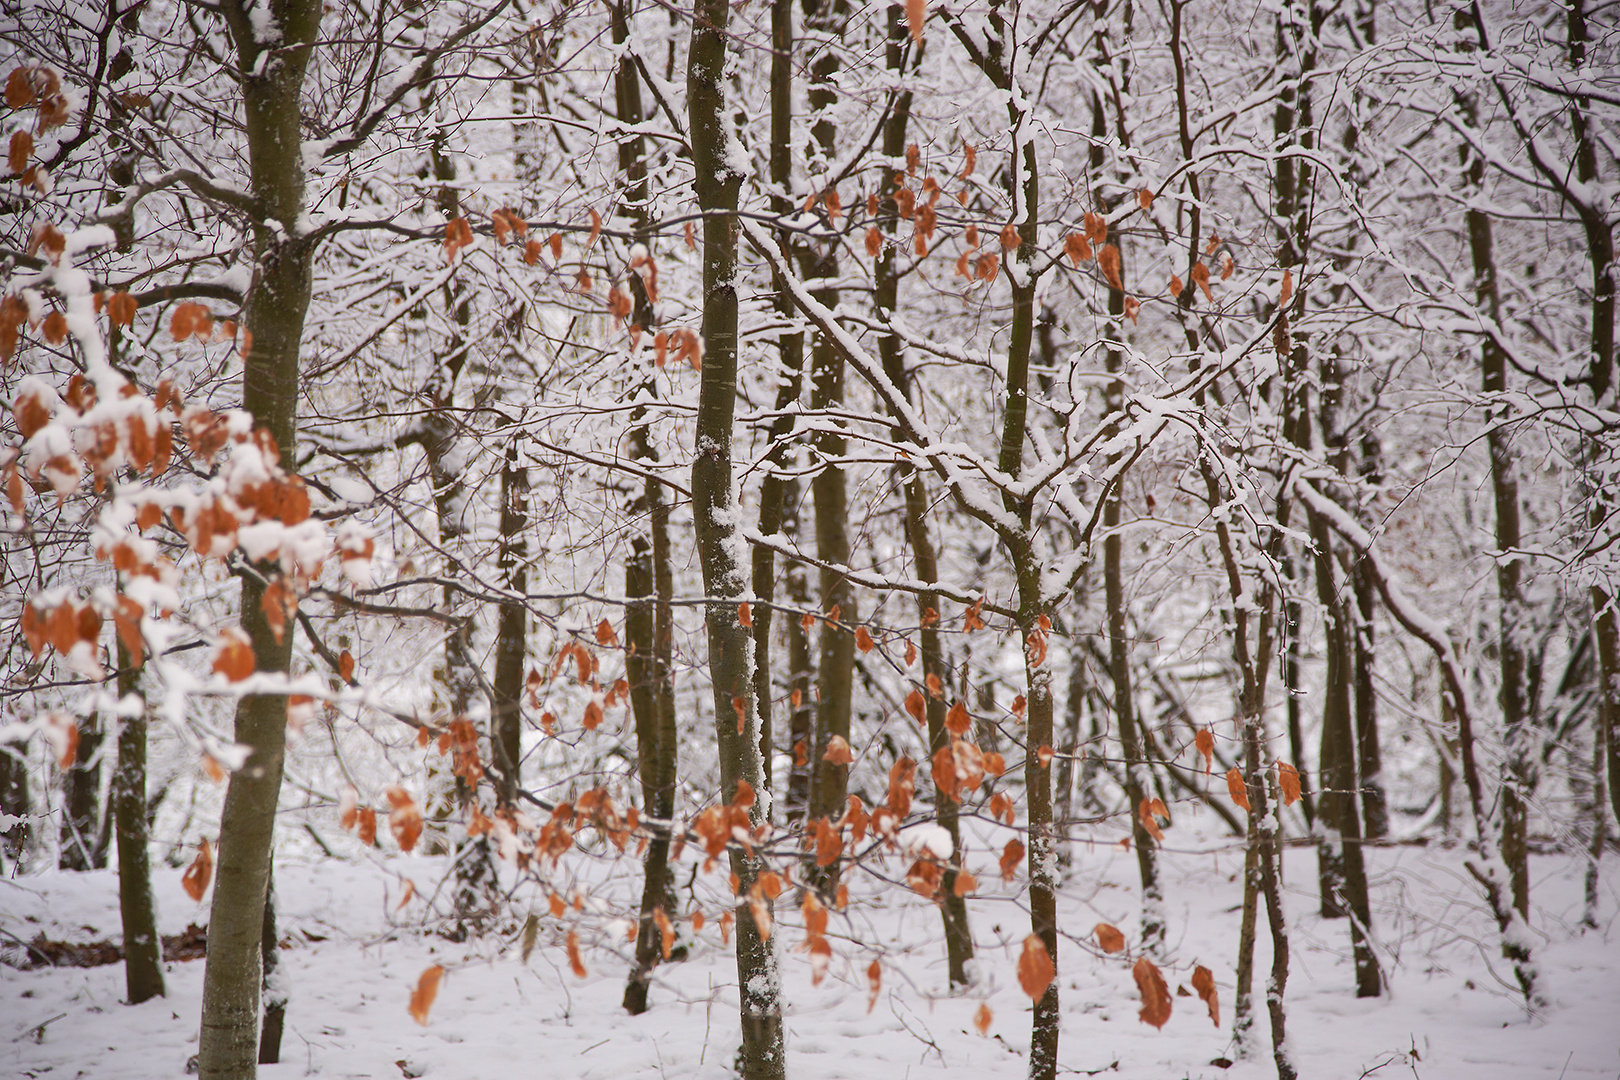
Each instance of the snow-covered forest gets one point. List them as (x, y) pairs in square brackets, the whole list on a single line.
[(809, 539)]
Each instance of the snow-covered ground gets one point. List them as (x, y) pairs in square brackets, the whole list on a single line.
[(352, 960)]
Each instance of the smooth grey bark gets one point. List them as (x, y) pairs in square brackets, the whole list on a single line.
[(143, 949), (762, 1055), (272, 79)]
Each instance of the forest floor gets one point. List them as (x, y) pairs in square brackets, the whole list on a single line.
[(352, 954)]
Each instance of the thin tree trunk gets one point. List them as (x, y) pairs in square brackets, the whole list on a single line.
[(1262, 853), (15, 801), (143, 950), (277, 302), (778, 494), (1488, 869), (1340, 816), (801, 722), (512, 628), (952, 908), (1138, 780), (835, 667), (275, 985), (762, 1055), (81, 802), (1518, 766)]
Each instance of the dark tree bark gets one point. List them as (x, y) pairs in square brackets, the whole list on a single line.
[(762, 1055), (277, 303), (81, 802), (512, 629), (143, 951), (275, 989), (779, 494), (953, 908), (835, 666)]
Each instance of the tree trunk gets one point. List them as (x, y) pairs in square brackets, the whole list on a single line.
[(81, 802), (778, 494), (143, 950), (1518, 765), (952, 908), (512, 629), (835, 667), (15, 800), (276, 306), (275, 986), (1138, 779), (1339, 811), (762, 1055)]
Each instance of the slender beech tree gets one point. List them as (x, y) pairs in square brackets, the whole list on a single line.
[(143, 949), (762, 1055), (270, 66), (886, 276), (835, 665), (779, 493)]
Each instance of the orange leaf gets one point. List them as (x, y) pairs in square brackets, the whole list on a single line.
[(596, 229), (1035, 968), (863, 640), (1204, 983), (346, 666), (1011, 856), (1238, 789), (874, 241), (745, 614), (957, 720), (1287, 290), (1096, 228), (1108, 263), (201, 871), (1144, 198), (574, 961), (1077, 248), (234, 656), (1200, 278), (965, 883), (916, 12), (874, 979), (666, 931), (1109, 939), (1288, 780), (917, 707), (982, 1018), (829, 844), (1009, 236), (367, 832), (1044, 754), (405, 820), (1175, 285), (605, 635), (838, 751), (1156, 1002), (593, 715), (427, 988), (1205, 742), (911, 653)]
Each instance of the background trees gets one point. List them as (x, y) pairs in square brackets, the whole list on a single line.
[(1300, 335)]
